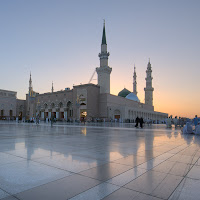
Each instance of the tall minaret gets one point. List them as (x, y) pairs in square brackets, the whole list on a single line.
[(149, 89), (30, 85), (52, 87), (104, 70), (134, 82)]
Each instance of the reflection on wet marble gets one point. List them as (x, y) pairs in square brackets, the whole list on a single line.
[(132, 160), (187, 190), (62, 189), (97, 162), (184, 159), (127, 176), (126, 194), (105, 172), (100, 155), (32, 153), (98, 192), (155, 183), (194, 172), (70, 163), (6, 159), (151, 164), (175, 168), (20, 176)]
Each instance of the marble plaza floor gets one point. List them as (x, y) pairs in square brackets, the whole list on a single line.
[(40, 162)]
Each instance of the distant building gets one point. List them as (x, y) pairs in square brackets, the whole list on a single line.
[(10, 106), (91, 101)]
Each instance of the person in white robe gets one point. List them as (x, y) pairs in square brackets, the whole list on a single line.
[(187, 129), (175, 122), (169, 122), (197, 129)]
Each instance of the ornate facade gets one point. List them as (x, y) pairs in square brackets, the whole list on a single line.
[(92, 101)]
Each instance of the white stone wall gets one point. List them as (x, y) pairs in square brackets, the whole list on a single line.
[(128, 109), (104, 79), (8, 102)]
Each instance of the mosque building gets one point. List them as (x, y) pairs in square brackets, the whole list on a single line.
[(91, 101)]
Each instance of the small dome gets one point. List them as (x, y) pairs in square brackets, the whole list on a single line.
[(133, 97), (124, 93)]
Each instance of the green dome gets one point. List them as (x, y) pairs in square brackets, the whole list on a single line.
[(124, 93)]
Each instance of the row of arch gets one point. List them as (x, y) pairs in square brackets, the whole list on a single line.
[(145, 115), (55, 105)]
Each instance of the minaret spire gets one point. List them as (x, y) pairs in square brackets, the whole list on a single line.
[(149, 89), (52, 87), (104, 70), (30, 85), (134, 81), (104, 34), (30, 81)]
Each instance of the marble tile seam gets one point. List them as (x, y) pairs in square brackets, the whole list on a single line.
[(5, 192), (176, 188), (108, 181), (15, 195), (12, 163), (164, 179), (32, 159), (12, 197), (135, 197), (80, 173), (143, 193), (98, 159), (184, 177), (57, 167), (78, 196)]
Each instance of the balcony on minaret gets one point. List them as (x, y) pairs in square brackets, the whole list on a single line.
[(104, 59)]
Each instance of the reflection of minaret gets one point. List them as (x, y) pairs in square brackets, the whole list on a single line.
[(52, 87), (134, 82), (149, 89), (149, 153), (104, 70), (30, 149)]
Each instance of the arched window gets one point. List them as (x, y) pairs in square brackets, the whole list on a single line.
[(69, 104), (60, 105)]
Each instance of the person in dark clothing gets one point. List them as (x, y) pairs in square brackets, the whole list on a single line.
[(141, 122), (137, 120), (52, 119)]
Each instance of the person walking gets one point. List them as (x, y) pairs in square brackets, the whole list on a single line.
[(141, 122), (137, 121), (195, 120), (37, 119), (175, 122), (52, 120)]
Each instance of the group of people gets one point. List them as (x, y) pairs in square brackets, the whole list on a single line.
[(176, 121), (187, 129), (139, 121)]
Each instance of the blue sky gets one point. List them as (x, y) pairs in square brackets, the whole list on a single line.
[(60, 40)]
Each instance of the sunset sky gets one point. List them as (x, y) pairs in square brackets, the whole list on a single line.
[(59, 41)]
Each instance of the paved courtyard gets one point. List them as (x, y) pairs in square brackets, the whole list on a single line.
[(40, 162)]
